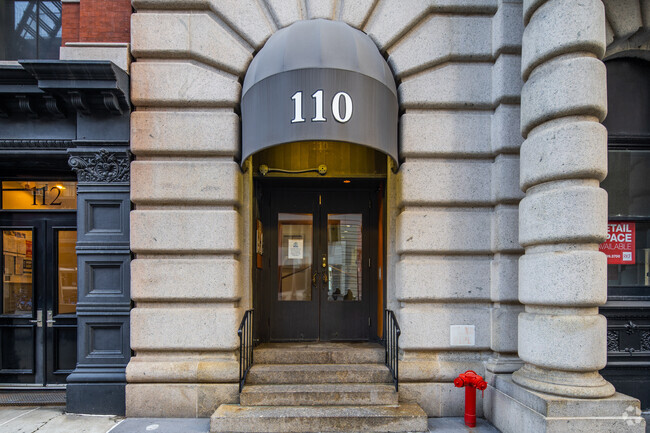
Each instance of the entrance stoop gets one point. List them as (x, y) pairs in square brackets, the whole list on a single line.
[(319, 387)]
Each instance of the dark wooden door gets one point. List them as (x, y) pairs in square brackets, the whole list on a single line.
[(318, 281), (38, 306)]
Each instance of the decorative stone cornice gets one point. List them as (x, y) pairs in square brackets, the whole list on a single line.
[(102, 167)]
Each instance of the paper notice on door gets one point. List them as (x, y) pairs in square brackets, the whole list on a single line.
[(295, 250)]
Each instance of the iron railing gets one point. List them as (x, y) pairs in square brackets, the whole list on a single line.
[(245, 333), (391, 343)]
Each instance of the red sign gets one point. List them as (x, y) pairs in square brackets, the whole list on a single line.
[(619, 246)]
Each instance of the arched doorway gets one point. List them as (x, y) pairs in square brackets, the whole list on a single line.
[(319, 122)]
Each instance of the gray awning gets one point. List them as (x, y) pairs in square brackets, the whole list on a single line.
[(319, 80)]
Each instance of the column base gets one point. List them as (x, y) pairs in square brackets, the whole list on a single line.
[(514, 409), (96, 398), (563, 383), (504, 364)]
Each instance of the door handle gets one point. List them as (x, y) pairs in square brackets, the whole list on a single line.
[(39, 319), (50, 320)]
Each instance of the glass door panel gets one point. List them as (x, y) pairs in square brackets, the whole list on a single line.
[(67, 271), (344, 242), (294, 256), (17, 284), (18, 327)]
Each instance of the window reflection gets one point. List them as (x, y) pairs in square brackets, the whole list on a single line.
[(344, 251), (67, 271), (30, 29), (294, 256), (17, 265)]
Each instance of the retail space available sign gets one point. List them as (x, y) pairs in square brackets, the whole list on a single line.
[(619, 246)]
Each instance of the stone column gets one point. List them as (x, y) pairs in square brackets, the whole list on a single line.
[(562, 276)]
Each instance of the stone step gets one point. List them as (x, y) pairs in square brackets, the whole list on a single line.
[(406, 417), (318, 395), (319, 353), (269, 374)]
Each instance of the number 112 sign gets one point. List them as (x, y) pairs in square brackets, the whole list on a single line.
[(620, 244)]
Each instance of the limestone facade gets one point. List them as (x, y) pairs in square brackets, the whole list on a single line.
[(493, 218)]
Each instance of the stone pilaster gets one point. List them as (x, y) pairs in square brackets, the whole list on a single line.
[(563, 216)]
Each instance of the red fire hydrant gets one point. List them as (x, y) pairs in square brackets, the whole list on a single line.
[(471, 381)]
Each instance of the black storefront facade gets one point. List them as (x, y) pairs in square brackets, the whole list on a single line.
[(64, 126)]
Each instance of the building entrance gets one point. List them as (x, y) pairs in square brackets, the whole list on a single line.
[(38, 322), (319, 277)]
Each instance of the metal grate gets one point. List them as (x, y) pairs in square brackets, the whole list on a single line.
[(32, 398)]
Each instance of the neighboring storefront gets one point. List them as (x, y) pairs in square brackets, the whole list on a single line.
[(322, 161), (64, 168), (627, 247)]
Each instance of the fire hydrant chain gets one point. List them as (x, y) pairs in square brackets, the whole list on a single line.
[(471, 381)]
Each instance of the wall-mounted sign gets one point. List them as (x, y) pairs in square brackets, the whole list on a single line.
[(295, 250), (619, 246), (462, 335)]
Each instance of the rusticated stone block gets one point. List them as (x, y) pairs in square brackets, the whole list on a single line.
[(181, 84), (560, 27), (504, 229), (182, 35), (507, 29), (504, 278), (505, 180), (504, 320), (320, 9), (185, 280), (185, 371), (390, 19), (438, 399), (284, 12), (563, 342), (505, 132), (216, 182), (442, 279), (178, 400), (443, 231), (427, 326), (564, 149), (202, 327), (562, 87), (185, 133), (457, 85), (186, 231), (570, 213), (441, 38), (567, 278), (444, 182), (355, 13), (506, 79), (446, 133)]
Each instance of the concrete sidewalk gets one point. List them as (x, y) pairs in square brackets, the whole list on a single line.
[(25, 419)]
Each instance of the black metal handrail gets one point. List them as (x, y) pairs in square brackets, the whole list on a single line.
[(391, 343), (245, 333)]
